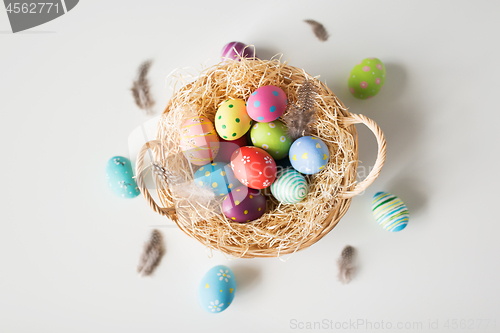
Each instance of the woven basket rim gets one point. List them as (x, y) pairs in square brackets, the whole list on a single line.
[(343, 199)]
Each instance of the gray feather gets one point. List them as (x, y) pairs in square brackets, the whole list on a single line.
[(346, 264), (318, 29), (152, 254), (300, 116), (160, 172), (141, 89)]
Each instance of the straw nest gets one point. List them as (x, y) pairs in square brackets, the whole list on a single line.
[(284, 228)]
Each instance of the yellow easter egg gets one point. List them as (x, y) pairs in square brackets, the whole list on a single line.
[(232, 120)]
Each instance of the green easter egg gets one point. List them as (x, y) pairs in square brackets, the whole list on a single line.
[(367, 78), (271, 137)]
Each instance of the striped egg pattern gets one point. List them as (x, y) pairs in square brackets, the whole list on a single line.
[(390, 211), (199, 141), (235, 50), (290, 186)]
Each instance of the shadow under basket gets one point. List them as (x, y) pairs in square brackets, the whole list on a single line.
[(283, 229)]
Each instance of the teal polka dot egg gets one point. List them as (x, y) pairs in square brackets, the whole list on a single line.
[(309, 155), (272, 137), (120, 177), (217, 289), (367, 78), (218, 177), (390, 212), (290, 186)]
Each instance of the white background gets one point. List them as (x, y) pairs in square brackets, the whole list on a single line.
[(69, 248)]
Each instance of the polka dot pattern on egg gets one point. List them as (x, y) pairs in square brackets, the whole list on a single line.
[(218, 177), (272, 137), (232, 120), (367, 78), (267, 104)]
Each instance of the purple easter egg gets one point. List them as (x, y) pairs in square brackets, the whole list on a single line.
[(234, 50), (266, 104), (244, 204)]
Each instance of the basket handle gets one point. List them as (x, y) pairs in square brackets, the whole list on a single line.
[(139, 171), (382, 149)]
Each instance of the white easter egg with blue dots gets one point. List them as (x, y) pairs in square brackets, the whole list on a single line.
[(120, 177), (218, 177), (266, 104), (309, 155), (217, 289), (290, 186), (390, 212)]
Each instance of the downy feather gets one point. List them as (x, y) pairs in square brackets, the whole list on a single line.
[(346, 264)]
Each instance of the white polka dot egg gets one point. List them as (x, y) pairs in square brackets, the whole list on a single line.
[(272, 137)]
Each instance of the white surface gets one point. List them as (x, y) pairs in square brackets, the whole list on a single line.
[(69, 248)]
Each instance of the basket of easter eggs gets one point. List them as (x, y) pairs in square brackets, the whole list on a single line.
[(256, 158)]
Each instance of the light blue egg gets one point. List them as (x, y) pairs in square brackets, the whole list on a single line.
[(390, 212), (216, 176), (120, 177), (309, 155), (217, 289)]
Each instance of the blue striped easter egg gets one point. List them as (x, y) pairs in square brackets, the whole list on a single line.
[(290, 186), (390, 212)]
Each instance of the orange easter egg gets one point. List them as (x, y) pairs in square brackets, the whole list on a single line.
[(199, 141)]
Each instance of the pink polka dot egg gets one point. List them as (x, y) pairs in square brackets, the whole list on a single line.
[(367, 78), (266, 104)]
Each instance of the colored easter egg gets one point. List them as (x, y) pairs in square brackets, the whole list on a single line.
[(244, 204), (199, 141), (272, 137), (367, 78), (253, 167), (121, 177), (217, 176), (290, 186), (235, 50), (309, 155), (227, 148), (390, 211), (217, 288), (266, 104), (232, 120)]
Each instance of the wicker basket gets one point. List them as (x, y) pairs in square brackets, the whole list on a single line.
[(340, 200)]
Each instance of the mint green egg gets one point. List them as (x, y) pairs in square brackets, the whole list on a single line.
[(272, 137), (367, 78)]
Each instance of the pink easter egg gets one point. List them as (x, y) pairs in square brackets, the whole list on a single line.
[(199, 141), (266, 104)]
